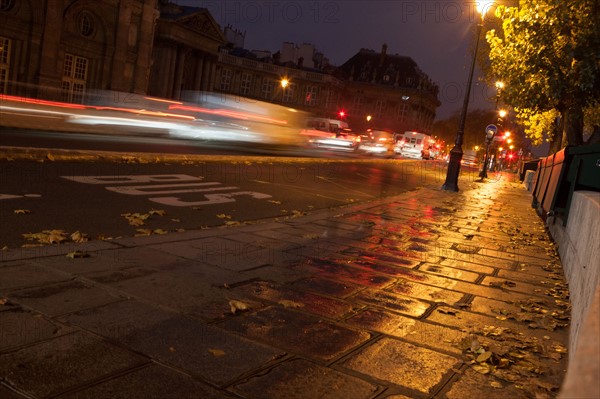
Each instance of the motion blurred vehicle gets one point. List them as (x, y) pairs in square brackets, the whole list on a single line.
[(470, 158), (228, 118), (344, 140), (413, 145), (378, 142), (322, 128)]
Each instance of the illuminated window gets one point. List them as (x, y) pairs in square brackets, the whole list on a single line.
[(86, 26), (267, 88), (245, 84), (226, 75), (74, 79), (311, 96), (4, 63), (6, 5)]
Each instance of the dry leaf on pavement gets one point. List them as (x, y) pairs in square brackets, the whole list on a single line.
[(290, 304), (21, 211), (135, 219), (237, 305), (77, 254), (217, 352), (159, 212), (79, 237)]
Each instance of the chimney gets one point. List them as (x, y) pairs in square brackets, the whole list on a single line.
[(383, 54)]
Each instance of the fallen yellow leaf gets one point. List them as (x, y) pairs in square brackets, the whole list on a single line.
[(21, 211), (217, 352), (142, 232), (79, 237), (290, 304), (77, 254), (237, 305)]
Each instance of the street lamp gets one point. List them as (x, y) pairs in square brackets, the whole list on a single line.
[(284, 83), (456, 153), (489, 138)]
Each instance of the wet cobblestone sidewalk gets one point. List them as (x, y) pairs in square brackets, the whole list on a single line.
[(429, 294)]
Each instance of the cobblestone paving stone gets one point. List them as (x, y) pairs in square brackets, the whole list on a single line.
[(429, 294)]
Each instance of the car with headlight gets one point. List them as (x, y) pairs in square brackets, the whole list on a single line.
[(377, 142), (344, 140)]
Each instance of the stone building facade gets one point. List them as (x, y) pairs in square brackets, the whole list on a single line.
[(186, 50), (310, 90), (389, 89), (60, 49)]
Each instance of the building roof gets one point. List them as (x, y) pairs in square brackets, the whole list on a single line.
[(385, 69)]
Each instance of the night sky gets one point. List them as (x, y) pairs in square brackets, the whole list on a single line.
[(438, 35)]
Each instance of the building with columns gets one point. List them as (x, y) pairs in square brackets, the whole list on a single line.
[(186, 50), (60, 49)]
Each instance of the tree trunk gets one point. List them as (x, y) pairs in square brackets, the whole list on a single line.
[(573, 126), (557, 135)]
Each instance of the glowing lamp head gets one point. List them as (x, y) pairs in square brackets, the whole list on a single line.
[(483, 6)]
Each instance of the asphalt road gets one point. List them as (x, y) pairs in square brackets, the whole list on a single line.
[(93, 197)]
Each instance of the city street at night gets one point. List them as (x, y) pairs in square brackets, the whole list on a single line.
[(238, 199)]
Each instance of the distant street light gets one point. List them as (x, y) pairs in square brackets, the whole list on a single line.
[(456, 153), (284, 83), (369, 118), (489, 138)]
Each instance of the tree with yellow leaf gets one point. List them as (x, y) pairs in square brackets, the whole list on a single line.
[(547, 55)]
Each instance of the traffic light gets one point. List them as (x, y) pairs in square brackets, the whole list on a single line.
[(342, 113)]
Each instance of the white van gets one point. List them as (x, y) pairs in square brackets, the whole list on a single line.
[(413, 145), (323, 127)]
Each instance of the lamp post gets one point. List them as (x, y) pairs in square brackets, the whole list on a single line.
[(284, 83), (456, 153), (489, 138)]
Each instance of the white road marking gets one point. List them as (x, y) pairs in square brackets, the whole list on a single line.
[(12, 196), (177, 184), (132, 179), (212, 199), (139, 190)]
